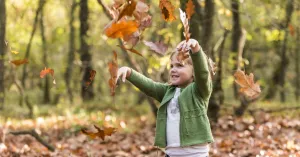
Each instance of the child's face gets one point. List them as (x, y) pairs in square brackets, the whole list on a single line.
[(180, 74)]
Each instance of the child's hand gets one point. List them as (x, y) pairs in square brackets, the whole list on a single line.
[(123, 72), (191, 44)]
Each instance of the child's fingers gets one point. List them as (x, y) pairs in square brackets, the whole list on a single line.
[(179, 46), (124, 76)]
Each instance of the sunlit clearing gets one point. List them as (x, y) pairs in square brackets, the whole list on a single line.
[(108, 118), (40, 121), (143, 118), (123, 124)]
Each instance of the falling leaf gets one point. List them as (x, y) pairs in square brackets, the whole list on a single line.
[(132, 39), (158, 47), (121, 29), (185, 23), (128, 9), (181, 56), (19, 61), (92, 76), (190, 9), (167, 10), (100, 133), (131, 50), (248, 87), (145, 22), (292, 30), (141, 7), (14, 52), (6, 42), (46, 71), (113, 70)]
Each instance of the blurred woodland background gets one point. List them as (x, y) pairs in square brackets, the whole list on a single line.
[(257, 36)]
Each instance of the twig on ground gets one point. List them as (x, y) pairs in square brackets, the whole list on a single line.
[(36, 136)]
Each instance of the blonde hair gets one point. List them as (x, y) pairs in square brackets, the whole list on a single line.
[(190, 62), (185, 61)]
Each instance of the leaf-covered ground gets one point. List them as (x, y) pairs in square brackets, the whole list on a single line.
[(258, 136)]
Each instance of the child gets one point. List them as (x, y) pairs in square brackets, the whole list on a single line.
[(182, 125)]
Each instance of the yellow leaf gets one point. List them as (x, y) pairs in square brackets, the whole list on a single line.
[(14, 52)]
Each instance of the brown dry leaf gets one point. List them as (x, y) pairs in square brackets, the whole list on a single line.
[(181, 56), (145, 22), (141, 7), (132, 39), (167, 10), (131, 50), (101, 133), (92, 76), (248, 87), (121, 29), (113, 70), (158, 47), (128, 9), (19, 62), (186, 26), (190, 9), (46, 71), (292, 30)]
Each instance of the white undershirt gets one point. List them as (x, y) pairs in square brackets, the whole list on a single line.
[(173, 148)]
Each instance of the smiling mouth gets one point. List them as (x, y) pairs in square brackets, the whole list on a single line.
[(174, 76)]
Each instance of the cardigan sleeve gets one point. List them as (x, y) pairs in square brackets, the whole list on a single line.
[(151, 88), (202, 75)]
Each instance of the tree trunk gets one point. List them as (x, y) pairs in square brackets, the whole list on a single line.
[(2, 50), (44, 49), (40, 7), (284, 59), (85, 57), (69, 71), (273, 83), (217, 96), (236, 35), (207, 25), (297, 65)]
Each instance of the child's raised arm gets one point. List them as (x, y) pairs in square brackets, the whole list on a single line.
[(149, 87), (202, 75)]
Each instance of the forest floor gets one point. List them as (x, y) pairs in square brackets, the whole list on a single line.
[(259, 135)]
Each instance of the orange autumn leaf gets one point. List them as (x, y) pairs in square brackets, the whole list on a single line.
[(92, 76), (100, 133), (113, 70), (128, 9), (46, 71), (121, 29), (248, 87), (190, 9), (131, 50), (167, 10), (19, 61)]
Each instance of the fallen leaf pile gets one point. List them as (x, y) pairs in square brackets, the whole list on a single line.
[(258, 136)]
